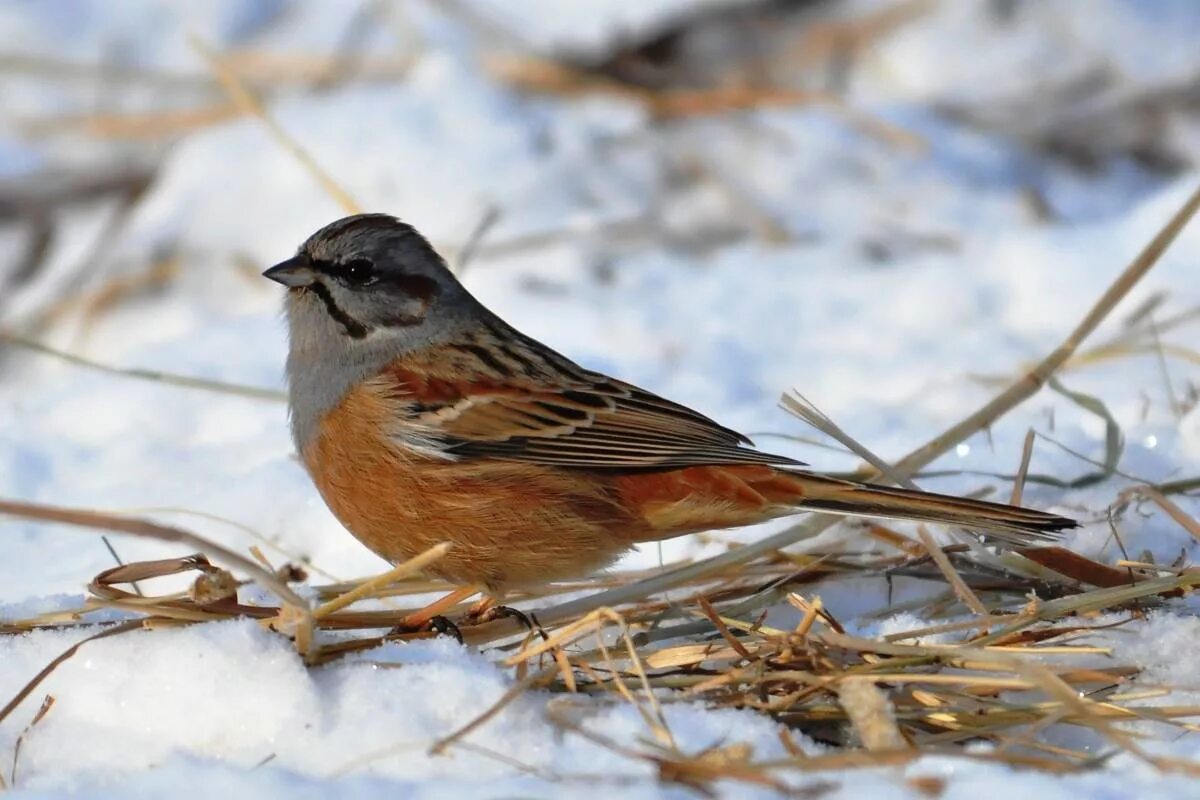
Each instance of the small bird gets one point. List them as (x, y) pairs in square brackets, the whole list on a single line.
[(422, 417)]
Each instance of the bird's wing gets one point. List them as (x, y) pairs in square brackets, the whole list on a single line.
[(509, 397)]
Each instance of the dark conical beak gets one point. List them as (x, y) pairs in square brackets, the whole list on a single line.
[(293, 273)]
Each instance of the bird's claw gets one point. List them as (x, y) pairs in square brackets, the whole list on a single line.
[(444, 627), (493, 613)]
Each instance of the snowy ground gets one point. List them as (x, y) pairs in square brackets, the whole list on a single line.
[(896, 277)]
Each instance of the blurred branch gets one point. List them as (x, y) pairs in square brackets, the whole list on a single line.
[(37, 194), (184, 381), (260, 70), (245, 99), (37, 199)]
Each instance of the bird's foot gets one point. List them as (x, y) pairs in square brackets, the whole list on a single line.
[(438, 624), (444, 627), (491, 613)]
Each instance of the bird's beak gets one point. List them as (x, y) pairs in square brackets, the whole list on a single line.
[(293, 273)]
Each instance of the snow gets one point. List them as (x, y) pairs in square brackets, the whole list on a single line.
[(906, 276)]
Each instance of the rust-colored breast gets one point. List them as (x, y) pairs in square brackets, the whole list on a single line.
[(510, 523)]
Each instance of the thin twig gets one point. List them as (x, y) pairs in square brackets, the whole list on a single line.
[(368, 587), (1023, 469), (112, 551), (471, 247), (83, 518), (184, 381), (244, 98)]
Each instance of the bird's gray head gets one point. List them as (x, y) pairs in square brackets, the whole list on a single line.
[(366, 274), (362, 291)]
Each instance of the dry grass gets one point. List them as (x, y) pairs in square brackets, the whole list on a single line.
[(1024, 664)]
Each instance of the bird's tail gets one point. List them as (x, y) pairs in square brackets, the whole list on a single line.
[(1010, 524)]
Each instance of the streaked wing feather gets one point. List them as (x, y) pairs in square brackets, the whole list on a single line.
[(545, 409), (537, 427)]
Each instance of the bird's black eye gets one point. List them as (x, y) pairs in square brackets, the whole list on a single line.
[(359, 271)]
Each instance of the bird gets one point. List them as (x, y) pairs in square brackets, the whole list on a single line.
[(422, 417)]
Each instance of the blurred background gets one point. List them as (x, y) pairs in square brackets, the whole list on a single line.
[(890, 204)]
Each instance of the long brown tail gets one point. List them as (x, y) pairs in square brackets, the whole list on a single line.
[(1011, 524)]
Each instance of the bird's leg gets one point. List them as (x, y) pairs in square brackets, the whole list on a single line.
[(432, 617), (423, 616), (484, 605)]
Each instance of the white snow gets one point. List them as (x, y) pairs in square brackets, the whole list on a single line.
[(908, 276)]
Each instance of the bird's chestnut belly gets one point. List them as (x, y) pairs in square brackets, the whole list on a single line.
[(509, 524)]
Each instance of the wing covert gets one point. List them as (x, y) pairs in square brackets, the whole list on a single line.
[(527, 403)]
